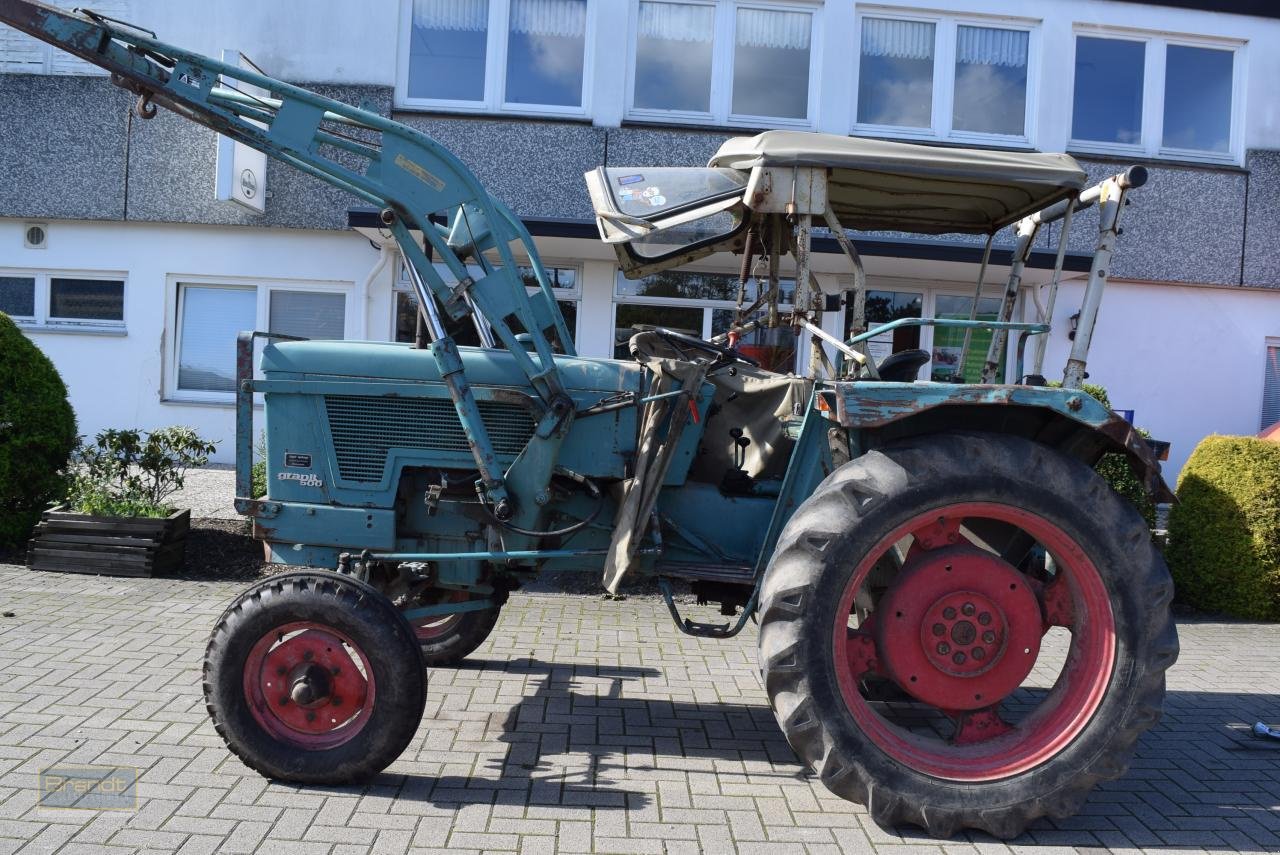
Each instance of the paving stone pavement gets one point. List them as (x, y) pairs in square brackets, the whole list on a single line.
[(584, 725)]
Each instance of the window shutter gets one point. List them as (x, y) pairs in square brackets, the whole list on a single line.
[(1271, 388), (310, 314)]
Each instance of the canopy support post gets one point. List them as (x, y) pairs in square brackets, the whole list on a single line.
[(859, 323), (977, 295), (1042, 341), (1022, 251)]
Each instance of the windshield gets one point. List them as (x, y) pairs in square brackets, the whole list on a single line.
[(646, 193)]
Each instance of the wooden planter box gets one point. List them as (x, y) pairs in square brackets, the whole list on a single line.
[(67, 542)]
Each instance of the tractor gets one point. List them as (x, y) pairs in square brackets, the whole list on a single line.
[(960, 624)]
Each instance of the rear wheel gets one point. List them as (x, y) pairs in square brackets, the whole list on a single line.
[(314, 677), (446, 640), (1011, 598)]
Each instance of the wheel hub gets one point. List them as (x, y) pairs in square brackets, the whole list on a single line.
[(311, 684), (959, 629)]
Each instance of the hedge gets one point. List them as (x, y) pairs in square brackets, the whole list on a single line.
[(1224, 533), (37, 433)]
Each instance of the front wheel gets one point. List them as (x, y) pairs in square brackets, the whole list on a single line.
[(315, 678), (1012, 599)]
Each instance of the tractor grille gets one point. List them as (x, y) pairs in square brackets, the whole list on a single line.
[(365, 429)]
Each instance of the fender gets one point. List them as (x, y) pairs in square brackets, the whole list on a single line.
[(1070, 420)]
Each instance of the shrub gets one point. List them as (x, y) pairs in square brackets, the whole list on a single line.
[(1224, 533), (37, 433), (1115, 470), (258, 472), (128, 473)]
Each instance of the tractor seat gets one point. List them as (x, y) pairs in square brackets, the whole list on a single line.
[(902, 367)]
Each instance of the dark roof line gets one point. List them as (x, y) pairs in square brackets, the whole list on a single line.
[(1257, 8), (919, 248)]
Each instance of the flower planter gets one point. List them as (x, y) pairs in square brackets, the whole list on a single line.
[(67, 542)]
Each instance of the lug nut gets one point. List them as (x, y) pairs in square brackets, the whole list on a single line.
[(939, 629), (984, 618), (989, 637), (311, 716), (307, 655), (334, 670), (968, 608), (959, 658), (284, 701), (280, 672), (336, 701), (949, 613), (944, 648), (978, 653)]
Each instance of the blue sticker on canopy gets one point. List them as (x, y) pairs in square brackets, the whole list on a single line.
[(630, 179)]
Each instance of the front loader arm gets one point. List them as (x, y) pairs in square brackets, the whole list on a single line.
[(403, 172)]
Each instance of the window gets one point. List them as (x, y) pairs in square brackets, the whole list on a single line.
[(1156, 97), (22, 54), (944, 78), (564, 281), (1271, 386), (724, 62), (73, 301), (210, 315), (525, 56), (904, 299), (701, 305)]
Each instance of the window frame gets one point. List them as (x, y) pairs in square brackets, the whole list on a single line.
[(944, 78), (400, 283), (495, 70), (706, 306), (1153, 96), (44, 321), (930, 291), (263, 287), (724, 34)]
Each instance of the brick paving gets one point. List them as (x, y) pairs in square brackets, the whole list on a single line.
[(584, 725)]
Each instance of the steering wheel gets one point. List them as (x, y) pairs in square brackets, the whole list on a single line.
[(720, 353)]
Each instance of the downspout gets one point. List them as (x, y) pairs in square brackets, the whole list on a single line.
[(364, 292)]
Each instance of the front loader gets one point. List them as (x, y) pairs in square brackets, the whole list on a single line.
[(960, 624)]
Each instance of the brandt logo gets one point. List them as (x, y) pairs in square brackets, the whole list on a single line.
[(306, 479)]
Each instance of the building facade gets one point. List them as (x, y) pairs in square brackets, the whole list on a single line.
[(118, 258)]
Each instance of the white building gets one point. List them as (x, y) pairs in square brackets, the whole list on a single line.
[(135, 278)]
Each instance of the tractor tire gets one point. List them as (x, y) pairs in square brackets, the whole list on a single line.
[(968, 766), (445, 643), (299, 648)]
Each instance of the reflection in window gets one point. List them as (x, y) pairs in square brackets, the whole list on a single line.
[(86, 299), (895, 77), (545, 45), (1107, 106), (18, 296), (447, 47), (774, 349), (308, 314), (693, 285), (948, 342), (1197, 98), (631, 319), (674, 56), (883, 307), (210, 321), (771, 63), (991, 81)]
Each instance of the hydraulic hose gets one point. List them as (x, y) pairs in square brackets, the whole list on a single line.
[(560, 532)]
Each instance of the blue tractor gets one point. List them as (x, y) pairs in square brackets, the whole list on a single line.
[(960, 624)]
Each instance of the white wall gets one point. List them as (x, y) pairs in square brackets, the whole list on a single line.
[(117, 381), (1189, 360)]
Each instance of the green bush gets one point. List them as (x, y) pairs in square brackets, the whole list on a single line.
[(258, 472), (1115, 470), (129, 473), (1224, 533), (37, 434)]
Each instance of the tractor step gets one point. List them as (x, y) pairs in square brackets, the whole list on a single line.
[(731, 574)]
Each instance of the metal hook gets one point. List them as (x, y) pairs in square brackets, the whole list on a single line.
[(144, 108)]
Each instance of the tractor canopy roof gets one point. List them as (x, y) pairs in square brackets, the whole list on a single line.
[(893, 186)]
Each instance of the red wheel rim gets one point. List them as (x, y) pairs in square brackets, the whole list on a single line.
[(435, 627), (309, 685), (926, 643)]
